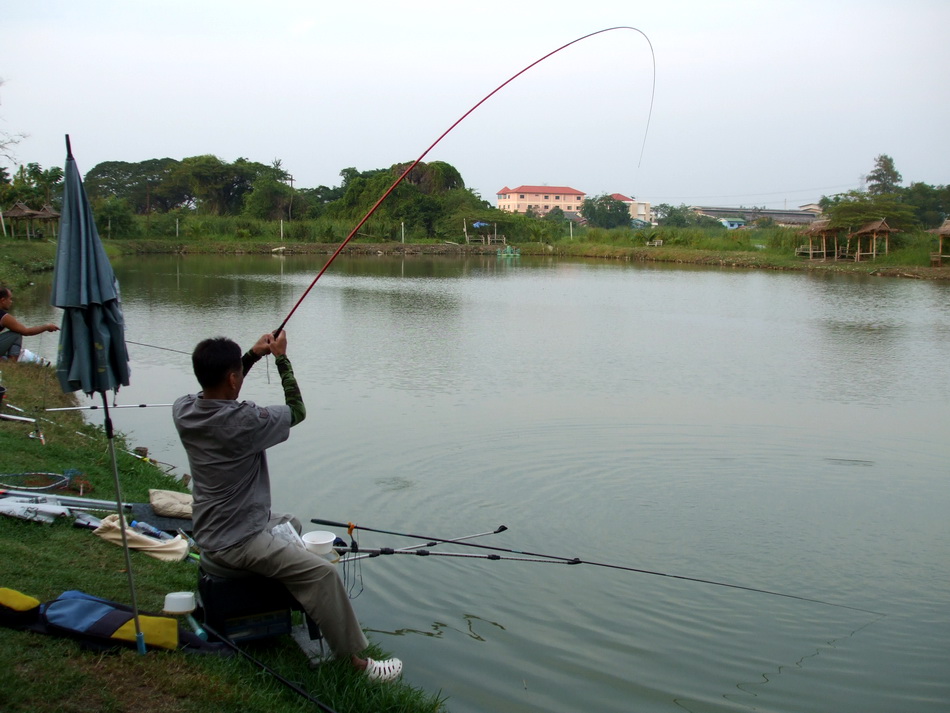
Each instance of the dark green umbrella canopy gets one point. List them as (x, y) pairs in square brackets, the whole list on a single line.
[(92, 352)]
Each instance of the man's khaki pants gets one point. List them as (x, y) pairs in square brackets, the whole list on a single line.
[(309, 578)]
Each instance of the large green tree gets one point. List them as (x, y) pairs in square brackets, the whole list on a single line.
[(682, 216), (672, 216), (47, 182), (313, 202), (931, 204), (219, 187), (31, 185), (146, 186), (269, 199), (430, 178), (853, 209), (272, 194), (919, 205), (884, 178), (605, 212)]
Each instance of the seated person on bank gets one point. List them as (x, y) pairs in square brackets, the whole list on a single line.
[(226, 442), (11, 331)]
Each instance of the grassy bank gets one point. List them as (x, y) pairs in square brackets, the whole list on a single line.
[(45, 674), (21, 260)]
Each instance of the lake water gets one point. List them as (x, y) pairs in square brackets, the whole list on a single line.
[(779, 431)]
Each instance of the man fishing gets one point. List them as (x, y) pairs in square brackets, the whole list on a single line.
[(11, 331), (226, 442)]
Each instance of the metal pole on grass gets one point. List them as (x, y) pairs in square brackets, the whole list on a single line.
[(110, 435)]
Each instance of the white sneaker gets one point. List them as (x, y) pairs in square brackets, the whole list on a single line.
[(383, 671)]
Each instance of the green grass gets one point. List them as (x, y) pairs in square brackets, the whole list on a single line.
[(43, 674), (20, 260)]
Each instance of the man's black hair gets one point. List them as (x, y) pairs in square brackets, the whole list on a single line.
[(213, 359)]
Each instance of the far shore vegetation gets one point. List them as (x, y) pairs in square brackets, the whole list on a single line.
[(206, 204)]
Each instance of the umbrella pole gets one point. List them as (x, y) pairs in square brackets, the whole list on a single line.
[(110, 435)]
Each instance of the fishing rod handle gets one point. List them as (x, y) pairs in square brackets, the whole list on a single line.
[(331, 523)]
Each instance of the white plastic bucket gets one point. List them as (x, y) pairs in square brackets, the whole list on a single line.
[(319, 542), (179, 603)]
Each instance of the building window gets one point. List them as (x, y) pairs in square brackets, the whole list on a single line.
[(547, 198), (521, 195), (557, 198)]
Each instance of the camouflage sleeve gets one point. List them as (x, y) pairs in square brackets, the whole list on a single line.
[(292, 395), (248, 360)]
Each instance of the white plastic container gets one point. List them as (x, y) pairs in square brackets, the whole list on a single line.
[(320, 542), (179, 603)]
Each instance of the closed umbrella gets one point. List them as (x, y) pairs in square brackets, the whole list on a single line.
[(92, 353)]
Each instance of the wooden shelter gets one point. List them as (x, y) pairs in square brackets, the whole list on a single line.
[(21, 213), (819, 233), (866, 239), (50, 217), (17, 214), (937, 258)]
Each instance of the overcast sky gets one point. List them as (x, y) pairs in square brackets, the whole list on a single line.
[(757, 103)]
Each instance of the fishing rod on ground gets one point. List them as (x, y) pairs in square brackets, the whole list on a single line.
[(415, 163), (95, 407), (295, 687), (168, 467), (576, 560)]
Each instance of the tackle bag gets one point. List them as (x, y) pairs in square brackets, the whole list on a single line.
[(99, 624), (100, 621), (18, 611)]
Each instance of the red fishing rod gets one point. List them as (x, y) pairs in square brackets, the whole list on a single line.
[(446, 132)]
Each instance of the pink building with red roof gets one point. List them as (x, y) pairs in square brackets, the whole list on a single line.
[(540, 199)]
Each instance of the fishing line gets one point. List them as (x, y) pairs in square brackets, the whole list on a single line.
[(577, 560), (178, 351), (153, 346), (446, 132)]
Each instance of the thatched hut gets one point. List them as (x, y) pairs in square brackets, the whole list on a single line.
[(50, 217), (818, 234), (937, 258), (866, 239), (18, 213)]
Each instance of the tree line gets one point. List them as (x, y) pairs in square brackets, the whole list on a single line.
[(432, 201)]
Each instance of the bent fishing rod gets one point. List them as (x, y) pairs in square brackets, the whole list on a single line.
[(446, 133), (576, 560)]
